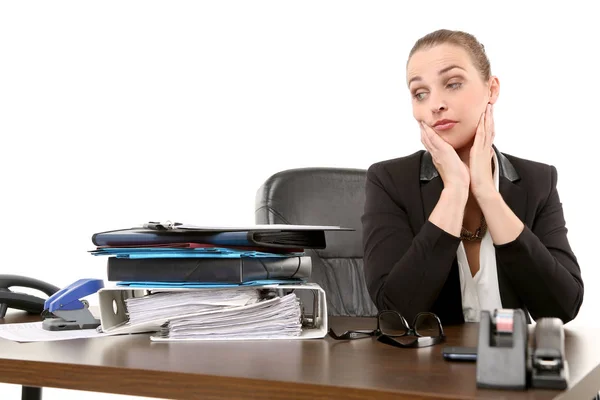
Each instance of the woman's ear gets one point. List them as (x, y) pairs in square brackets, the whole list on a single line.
[(494, 89)]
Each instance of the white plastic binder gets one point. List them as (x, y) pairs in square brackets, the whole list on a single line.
[(114, 319)]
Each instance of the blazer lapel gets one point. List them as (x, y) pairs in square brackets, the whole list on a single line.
[(514, 196)]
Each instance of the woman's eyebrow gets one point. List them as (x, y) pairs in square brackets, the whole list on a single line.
[(440, 72)]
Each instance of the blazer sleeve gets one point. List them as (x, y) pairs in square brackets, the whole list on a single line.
[(541, 265), (403, 271)]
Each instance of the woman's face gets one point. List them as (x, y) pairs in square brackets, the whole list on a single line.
[(448, 93)]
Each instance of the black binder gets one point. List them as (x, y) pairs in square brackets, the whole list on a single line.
[(307, 239), (208, 270)]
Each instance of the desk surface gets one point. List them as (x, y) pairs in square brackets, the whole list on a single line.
[(309, 369)]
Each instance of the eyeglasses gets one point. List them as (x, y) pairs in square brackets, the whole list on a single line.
[(393, 329)]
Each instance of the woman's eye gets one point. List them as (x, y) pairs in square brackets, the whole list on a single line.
[(455, 85), (420, 96)]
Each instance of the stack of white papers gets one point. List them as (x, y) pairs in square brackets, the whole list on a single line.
[(169, 304), (275, 318)]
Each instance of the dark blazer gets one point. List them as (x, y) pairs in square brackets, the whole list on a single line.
[(410, 264)]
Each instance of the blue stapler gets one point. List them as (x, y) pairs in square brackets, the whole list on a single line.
[(65, 311)]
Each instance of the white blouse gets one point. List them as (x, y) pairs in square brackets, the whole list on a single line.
[(480, 292)]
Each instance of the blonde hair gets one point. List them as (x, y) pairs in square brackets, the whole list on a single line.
[(458, 38)]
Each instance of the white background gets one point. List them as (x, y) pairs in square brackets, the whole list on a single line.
[(114, 113)]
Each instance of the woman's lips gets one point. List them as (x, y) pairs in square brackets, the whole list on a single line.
[(445, 127)]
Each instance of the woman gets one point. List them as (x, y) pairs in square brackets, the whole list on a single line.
[(461, 227)]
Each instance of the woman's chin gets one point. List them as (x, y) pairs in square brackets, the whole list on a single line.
[(457, 142)]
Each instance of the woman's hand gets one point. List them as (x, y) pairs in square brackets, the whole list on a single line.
[(480, 162), (453, 171)]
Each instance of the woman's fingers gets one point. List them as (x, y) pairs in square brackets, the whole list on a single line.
[(426, 139), (480, 132), (436, 142)]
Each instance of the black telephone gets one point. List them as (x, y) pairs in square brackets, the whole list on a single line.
[(22, 301)]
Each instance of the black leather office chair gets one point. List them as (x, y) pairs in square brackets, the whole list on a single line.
[(324, 196)]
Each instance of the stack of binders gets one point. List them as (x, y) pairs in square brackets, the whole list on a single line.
[(177, 254), (154, 263)]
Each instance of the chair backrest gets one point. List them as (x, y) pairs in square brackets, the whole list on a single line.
[(324, 196)]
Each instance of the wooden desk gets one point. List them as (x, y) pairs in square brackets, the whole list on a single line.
[(312, 369)]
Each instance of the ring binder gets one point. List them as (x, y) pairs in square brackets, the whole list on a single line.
[(114, 319)]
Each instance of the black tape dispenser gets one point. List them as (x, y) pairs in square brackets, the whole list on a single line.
[(502, 350)]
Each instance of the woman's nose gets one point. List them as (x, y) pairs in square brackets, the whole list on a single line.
[(438, 104), (438, 107)]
